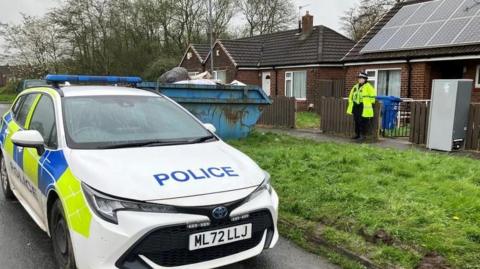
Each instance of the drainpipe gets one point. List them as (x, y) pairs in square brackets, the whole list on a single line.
[(409, 81)]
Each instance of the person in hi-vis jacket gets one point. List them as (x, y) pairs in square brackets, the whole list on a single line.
[(360, 104)]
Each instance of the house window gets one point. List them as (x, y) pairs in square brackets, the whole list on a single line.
[(386, 81), (220, 75), (296, 84), (477, 77), (189, 55)]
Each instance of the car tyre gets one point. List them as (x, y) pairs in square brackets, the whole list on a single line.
[(5, 182), (62, 243)]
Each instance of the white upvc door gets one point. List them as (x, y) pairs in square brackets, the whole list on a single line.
[(266, 82)]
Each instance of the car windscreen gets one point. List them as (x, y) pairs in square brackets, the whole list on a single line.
[(95, 122)]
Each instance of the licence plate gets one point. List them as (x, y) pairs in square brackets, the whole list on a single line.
[(220, 237)]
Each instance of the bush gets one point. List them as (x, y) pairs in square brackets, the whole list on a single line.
[(160, 66), (10, 88)]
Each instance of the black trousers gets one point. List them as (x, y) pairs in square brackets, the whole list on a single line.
[(361, 123)]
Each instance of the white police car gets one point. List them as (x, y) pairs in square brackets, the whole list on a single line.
[(125, 178)]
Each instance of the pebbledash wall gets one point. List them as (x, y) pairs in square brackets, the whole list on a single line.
[(421, 77)]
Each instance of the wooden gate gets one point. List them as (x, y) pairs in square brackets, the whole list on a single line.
[(281, 113), (419, 122), (473, 128), (334, 119)]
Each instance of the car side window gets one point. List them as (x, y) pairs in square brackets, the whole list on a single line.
[(43, 120), (21, 115), (17, 105)]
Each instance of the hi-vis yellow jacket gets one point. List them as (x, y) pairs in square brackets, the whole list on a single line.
[(367, 95)]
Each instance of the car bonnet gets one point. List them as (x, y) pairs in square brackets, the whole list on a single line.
[(167, 172)]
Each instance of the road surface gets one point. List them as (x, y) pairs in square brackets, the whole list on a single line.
[(23, 245)]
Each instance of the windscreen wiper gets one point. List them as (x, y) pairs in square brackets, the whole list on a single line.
[(154, 143), (202, 139), (145, 144)]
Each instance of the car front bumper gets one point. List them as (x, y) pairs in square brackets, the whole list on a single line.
[(153, 240)]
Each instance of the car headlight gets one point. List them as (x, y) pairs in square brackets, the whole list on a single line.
[(265, 186), (106, 207)]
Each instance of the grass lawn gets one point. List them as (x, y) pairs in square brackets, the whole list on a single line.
[(391, 206), (307, 120), (6, 95)]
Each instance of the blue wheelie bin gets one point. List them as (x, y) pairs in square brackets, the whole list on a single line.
[(233, 110), (390, 107)]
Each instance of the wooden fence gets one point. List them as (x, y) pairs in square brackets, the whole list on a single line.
[(419, 122), (473, 128), (334, 119), (331, 88), (281, 113), (419, 125), (327, 88)]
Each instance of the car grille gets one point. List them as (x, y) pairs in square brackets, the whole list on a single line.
[(168, 246)]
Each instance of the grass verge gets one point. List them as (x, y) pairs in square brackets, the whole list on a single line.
[(392, 207), (307, 120), (7, 95)]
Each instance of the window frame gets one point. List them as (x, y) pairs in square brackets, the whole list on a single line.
[(375, 78), (215, 75), (291, 78), (16, 105), (477, 77), (14, 116), (54, 117)]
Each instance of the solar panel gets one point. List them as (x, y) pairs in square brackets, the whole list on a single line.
[(401, 37), (423, 35), (449, 32), (468, 9), (471, 34), (445, 10), (380, 39), (424, 12), (403, 15), (429, 24)]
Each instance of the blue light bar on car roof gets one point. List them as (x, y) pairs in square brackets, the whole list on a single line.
[(91, 79)]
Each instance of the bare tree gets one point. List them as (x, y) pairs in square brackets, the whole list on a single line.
[(358, 20), (267, 16), (33, 45)]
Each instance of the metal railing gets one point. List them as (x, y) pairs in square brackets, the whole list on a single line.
[(396, 118)]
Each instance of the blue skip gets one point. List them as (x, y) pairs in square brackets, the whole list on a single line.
[(233, 110)]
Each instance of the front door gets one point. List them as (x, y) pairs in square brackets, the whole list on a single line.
[(266, 82)]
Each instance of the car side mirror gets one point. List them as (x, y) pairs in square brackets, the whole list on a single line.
[(210, 127), (29, 139)]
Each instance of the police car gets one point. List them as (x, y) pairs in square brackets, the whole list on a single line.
[(126, 178)]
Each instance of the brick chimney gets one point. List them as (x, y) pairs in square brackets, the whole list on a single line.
[(307, 23)]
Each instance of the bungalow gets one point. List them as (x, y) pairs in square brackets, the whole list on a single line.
[(194, 58), (288, 63), (418, 41)]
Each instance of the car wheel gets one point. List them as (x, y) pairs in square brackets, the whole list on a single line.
[(7, 191), (62, 243)]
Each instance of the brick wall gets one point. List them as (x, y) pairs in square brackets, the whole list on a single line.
[(471, 73), (352, 75), (250, 77), (193, 64), (222, 62), (420, 78)]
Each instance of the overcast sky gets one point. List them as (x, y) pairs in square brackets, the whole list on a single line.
[(325, 12)]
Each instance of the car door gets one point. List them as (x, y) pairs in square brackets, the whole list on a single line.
[(42, 119), (13, 154)]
